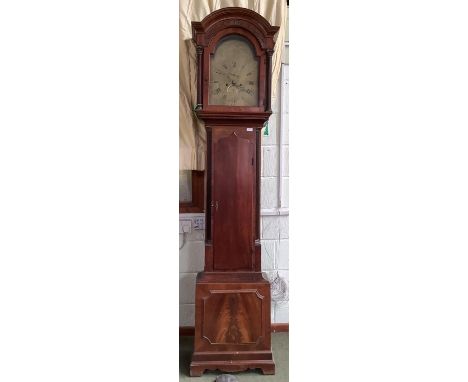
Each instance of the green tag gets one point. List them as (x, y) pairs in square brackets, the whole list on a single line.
[(266, 132)]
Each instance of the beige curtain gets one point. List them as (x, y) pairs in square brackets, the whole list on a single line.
[(192, 137)]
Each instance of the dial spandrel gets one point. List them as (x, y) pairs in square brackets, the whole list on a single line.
[(233, 74)]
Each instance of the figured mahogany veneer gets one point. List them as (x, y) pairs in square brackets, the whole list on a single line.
[(232, 324), (232, 297)]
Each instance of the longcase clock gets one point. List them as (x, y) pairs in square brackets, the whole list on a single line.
[(232, 298)]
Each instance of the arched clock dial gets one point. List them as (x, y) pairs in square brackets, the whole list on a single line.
[(233, 74)]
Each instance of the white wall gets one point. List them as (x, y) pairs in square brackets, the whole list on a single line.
[(275, 198)]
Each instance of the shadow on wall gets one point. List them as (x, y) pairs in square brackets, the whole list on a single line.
[(187, 288)]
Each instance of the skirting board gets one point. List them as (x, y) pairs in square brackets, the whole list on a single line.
[(275, 328)]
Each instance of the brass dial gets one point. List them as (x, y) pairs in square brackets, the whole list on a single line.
[(233, 74)]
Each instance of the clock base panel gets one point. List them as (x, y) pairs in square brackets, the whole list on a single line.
[(232, 323)]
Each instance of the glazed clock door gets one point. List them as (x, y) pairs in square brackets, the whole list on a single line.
[(233, 198)]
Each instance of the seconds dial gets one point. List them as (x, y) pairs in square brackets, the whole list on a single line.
[(233, 74)]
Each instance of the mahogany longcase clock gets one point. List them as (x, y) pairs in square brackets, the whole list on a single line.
[(232, 298)]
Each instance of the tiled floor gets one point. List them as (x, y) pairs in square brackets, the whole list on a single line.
[(280, 344)]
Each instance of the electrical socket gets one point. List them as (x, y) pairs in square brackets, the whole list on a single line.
[(199, 222)]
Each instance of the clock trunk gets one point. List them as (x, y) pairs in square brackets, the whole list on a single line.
[(233, 201)]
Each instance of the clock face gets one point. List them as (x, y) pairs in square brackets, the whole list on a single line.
[(233, 74)]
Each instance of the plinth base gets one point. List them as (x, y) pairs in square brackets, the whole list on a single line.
[(197, 368), (232, 323)]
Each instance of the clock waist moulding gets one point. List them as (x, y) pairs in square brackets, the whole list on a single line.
[(232, 297)]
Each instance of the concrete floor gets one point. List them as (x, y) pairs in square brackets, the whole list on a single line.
[(280, 344)]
